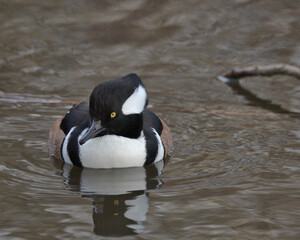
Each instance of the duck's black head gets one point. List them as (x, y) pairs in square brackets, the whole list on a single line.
[(116, 107)]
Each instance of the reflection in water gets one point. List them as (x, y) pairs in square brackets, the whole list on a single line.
[(256, 101), (120, 203)]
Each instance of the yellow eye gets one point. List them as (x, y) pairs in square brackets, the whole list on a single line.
[(113, 115)]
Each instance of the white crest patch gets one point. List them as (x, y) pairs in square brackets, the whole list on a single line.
[(136, 102)]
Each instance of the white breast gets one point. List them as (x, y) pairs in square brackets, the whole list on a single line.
[(113, 151)]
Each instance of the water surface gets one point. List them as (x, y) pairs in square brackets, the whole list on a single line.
[(234, 173)]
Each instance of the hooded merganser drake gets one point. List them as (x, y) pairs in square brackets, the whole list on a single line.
[(113, 130)]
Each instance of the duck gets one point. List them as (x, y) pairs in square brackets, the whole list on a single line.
[(115, 129)]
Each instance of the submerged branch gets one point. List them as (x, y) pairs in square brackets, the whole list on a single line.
[(268, 70), (232, 80)]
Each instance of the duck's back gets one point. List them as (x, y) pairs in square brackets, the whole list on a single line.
[(78, 115)]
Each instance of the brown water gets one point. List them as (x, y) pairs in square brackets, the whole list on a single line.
[(235, 170)]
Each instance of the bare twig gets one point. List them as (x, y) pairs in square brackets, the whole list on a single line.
[(268, 70)]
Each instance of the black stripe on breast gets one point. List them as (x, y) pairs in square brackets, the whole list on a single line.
[(151, 146), (73, 147)]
